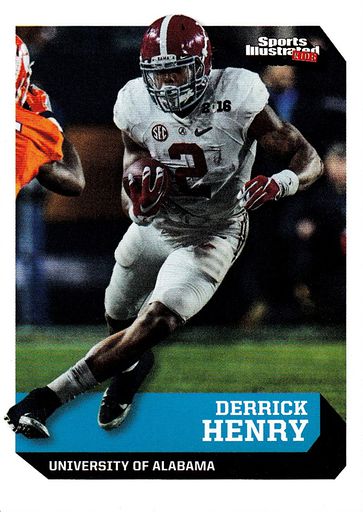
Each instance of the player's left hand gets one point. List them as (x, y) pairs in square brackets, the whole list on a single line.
[(258, 191), (38, 100)]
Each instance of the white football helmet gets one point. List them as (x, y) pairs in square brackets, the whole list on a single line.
[(22, 70)]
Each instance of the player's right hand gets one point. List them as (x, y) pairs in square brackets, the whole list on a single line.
[(39, 103), (38, 100), (146, 197)]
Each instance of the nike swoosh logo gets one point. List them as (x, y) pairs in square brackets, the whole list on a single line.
[(198, 132)]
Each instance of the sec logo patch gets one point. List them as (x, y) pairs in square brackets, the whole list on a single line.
[(159, 132)]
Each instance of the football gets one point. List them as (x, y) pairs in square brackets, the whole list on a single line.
[(137, 168)]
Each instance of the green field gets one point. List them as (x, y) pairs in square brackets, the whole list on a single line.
[(199, 359)]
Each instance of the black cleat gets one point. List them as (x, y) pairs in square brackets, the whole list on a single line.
[(111, 414), (117, 399), (28, 417)]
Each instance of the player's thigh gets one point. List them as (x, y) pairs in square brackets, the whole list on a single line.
[(190, 276), (138, 257)]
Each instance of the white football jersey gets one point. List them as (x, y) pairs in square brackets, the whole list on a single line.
[(208, 151)]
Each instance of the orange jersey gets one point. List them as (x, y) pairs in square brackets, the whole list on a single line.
[(38, 141)]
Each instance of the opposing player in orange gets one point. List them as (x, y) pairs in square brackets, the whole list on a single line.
[(42, 151)]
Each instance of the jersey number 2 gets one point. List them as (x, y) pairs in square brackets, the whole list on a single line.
[(198, 171)]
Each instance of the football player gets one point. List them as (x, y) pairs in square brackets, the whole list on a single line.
[(42, 152), (202, 126)]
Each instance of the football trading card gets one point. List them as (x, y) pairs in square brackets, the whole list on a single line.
[(180, 233)]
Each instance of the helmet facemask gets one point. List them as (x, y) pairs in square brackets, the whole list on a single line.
[(175, 98)]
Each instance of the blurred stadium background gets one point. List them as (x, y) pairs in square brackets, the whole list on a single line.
[(281, 310)]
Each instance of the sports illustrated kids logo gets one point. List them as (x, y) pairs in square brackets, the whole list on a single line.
[(296, 47), (196, 328)]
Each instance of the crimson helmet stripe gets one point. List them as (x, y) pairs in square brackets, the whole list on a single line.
[(164, 35)]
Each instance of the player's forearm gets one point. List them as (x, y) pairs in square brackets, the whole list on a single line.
[(66, 176), (307, 164), (132, 153)]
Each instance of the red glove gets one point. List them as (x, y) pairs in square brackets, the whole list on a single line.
[(146, 196), (38, 100), (258, 191)]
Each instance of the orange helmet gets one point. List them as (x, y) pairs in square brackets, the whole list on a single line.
[(22, 70)]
